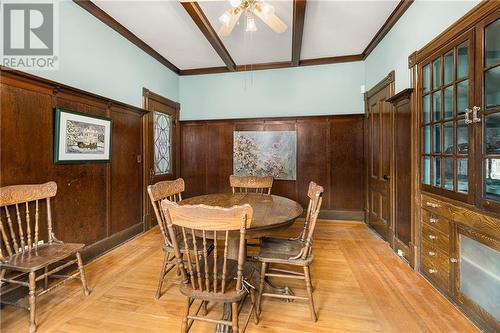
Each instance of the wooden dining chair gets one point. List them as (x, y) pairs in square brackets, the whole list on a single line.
[(170, 190), (213, 277), (251, 184), (293, 252), (24, 253)]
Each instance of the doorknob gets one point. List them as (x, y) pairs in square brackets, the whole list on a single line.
[(386, 177)]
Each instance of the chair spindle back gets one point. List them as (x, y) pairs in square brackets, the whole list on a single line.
[(314, 193), (251, 184), (209, 272), (170, 190), (19, 232)]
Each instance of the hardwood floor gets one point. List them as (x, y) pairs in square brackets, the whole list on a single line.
[(360, 286)]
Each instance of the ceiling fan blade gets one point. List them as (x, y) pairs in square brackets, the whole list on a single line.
[(226, 29), (273, 21)]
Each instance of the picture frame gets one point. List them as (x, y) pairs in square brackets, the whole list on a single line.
[(81, 138)]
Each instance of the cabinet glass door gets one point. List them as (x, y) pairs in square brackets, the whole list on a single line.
[(488, 115), (446, 136)]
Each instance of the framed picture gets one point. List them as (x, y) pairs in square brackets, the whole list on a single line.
[(81, 138), (265, 153)]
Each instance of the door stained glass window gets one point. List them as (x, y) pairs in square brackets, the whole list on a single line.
[(162, 143)]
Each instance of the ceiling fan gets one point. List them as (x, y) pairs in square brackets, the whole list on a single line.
[(250, 9)]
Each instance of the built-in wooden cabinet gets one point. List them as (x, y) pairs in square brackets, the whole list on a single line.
[(457, 96)]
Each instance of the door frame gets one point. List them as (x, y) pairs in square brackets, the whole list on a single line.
[(388, 80), (147, 120)]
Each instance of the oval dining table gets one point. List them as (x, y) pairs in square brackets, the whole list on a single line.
[(271, 213)]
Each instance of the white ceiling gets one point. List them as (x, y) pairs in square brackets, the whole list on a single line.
[(337, 28), (331, 28)]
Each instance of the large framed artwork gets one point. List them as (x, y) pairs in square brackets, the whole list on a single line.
[(265, 153), (81, 138)]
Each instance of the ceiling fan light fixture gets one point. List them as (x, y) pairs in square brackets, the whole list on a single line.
[(251, 26), (225, 18)]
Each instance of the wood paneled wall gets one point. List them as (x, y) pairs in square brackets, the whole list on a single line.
[(329, 152), (96, 203)]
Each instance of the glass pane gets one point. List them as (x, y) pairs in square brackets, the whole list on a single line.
[(462, 137), (492, 177), (436, 105), (448, 173), (426, 170), (437, 138), (436, 181), (448, 67), (162, 143), (492, 87), (426, 106), (448, 137), (480, 274), (492, 134), (462, 96), (462, 175), (426, 82), (427, 140), (448, 102), (492, 43), (436, 73), (463, 63)]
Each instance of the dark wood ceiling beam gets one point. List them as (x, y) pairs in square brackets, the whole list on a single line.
[(194, 10), (299, 13), (396, 14), (113, 24)]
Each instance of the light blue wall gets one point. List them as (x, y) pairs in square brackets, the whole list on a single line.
[(423, 21), (300, 91), (95, 58)]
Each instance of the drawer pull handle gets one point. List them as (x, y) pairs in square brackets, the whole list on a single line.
[(431, 204), (432, 253), (433, 220), (432, 271), (433, 237), (453, 260)]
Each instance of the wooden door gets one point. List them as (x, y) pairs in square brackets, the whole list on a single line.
[(162, 153), (380, 151)]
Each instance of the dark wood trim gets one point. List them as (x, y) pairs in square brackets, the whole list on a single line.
[(103, 246), (115, 25), (389, 23), (344, 215), (402, 95), (331, 60), (273, 65), (148, 94), (269, 119), (412, 59), (389, 79), (194, 10), (6, 72), (299, 13)]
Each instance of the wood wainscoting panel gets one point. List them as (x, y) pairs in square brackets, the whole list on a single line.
[(94, 200), (329, 152)]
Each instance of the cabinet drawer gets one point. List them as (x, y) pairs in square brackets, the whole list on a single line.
[(433, 254), (436, 221), (437, 206), (437, 270), (435, 238)]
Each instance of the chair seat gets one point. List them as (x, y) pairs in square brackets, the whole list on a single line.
[(40, 257), (280, 250), (231, 294)]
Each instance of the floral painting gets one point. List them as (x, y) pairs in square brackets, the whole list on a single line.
[(265, 153)]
